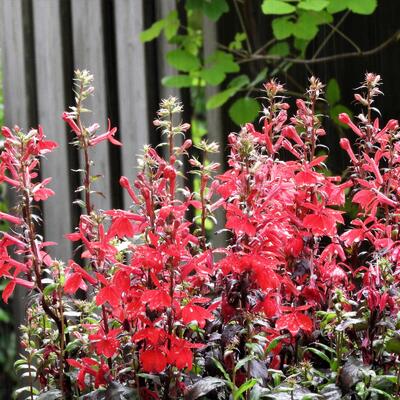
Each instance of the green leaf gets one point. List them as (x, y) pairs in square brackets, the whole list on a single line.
[(282, 28), (261, 76), (220, 98), (244, 110), (154, 31), (50, 289), (280, 49), (171, 25), (321, 17), (243, 361), (305, 27), (4, 316), (338, 109), (277, 7), (381, 393), (364, 7), (177, 81), (236, 44), (182, 60), (244, 388), (223, 61), (213, 76), (337, 6), (313, 5), (332, 92), (393, 344), (301, 45), (239, 82), (194, 4), (320, 354), (222, 369), (215, 8)]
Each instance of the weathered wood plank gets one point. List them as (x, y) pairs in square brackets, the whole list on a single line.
[(13, 63), (50, 103), (163, 8), (16, 104), (131, 71), (215, 131), (88, 50)]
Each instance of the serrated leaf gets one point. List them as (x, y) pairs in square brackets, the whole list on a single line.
[(151, 33), (364, 7), (313, 5), (332, 92), (244, 110), (277, 7), (177, 81), (282, 27), (220, 98), (182, 60)]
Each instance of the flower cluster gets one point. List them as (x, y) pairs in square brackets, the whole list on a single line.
[(307, 280)]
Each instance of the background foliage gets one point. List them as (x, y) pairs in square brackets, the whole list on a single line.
[(237, 66)]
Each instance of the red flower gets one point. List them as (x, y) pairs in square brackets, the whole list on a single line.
[(153, 360), (106, 344), (192, 312), (294, 322)]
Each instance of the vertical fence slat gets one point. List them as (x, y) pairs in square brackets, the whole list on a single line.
[(131, 71), (13, 64), (50, 79), (163, 8), (16, 105), (215, 128), (88, 50)]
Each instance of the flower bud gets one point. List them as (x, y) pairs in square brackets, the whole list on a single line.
[(124, 182), (344, 118)]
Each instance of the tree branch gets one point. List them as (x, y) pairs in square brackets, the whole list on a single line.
[(270, 57)]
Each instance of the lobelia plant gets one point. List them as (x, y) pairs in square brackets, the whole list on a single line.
[(301, 302)]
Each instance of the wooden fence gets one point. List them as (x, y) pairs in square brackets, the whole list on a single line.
[(43, 41)]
